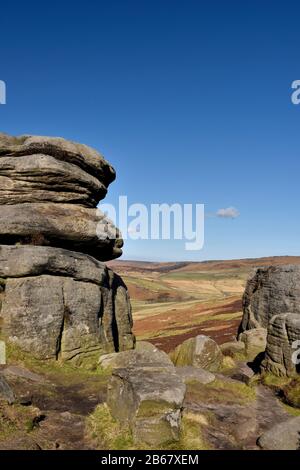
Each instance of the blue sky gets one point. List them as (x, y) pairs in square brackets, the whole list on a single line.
[(189, 100)]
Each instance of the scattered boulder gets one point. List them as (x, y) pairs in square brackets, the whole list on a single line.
[(18, 371), (242, 372), (232, 347), (201, 351), (149, 402), (144, 355), (255, 341), (195, 374), (283, 436)]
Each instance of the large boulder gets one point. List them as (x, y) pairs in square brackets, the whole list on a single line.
[(62, 304), (283, 436), (144, 355), (149, 401), (60, 225), (200, 351)]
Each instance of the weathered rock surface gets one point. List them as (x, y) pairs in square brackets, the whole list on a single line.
[(272, 301), (201, 351), (282, 351), (195, 374), (57, 303), (43, 178), (255, 341), (232, 347), (63, 304), (60, 225), (273, 290), (63, 150), (283, 436), (145, 355), (149, 402)]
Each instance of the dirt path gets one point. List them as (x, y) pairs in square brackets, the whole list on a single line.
[(59, 409)]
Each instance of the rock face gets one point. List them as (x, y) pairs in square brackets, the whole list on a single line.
[(57, 299), (272, 301), (273, 290), (201, 351), (283, 346)]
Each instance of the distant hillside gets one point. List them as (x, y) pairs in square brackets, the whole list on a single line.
[(176, 300), (141, 266)]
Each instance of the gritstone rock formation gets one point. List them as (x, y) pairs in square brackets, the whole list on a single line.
[(272, 302), (57, 298)]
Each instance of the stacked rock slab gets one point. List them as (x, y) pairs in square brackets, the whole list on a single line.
[(57, 297), (272, 302)]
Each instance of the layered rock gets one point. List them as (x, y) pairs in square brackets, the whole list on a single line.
[(60, 225), (57, 299), (271, 307), (46, 160)]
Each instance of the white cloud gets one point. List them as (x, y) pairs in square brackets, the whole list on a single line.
[(228, 213)]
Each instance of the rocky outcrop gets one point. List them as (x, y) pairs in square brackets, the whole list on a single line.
[(271, 303), (57, 299), (201, 351)]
